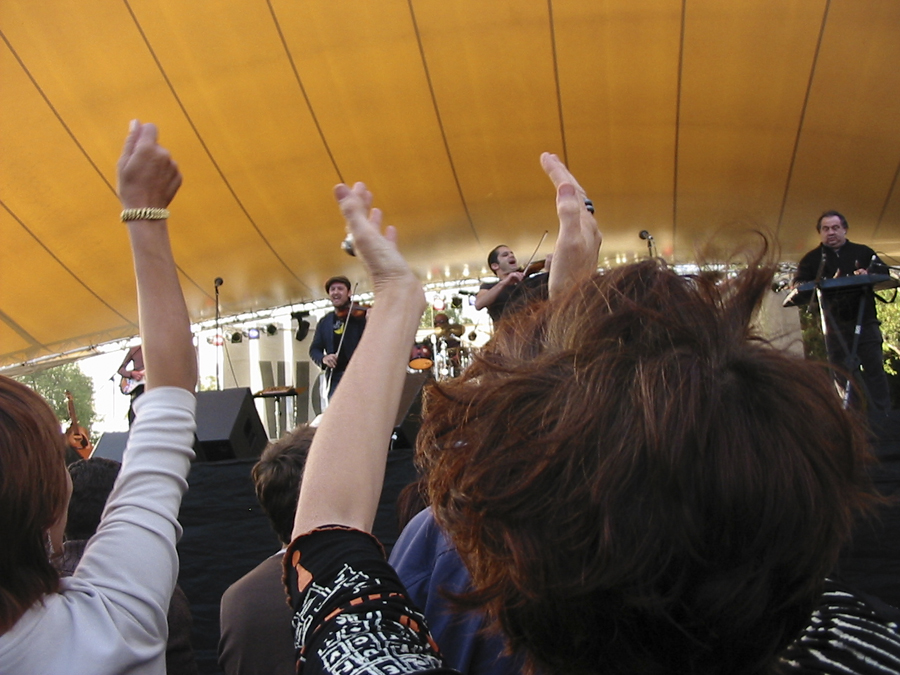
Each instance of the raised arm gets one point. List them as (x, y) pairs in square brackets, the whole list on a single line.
[(579, 239), (149, 178), (345, 470)]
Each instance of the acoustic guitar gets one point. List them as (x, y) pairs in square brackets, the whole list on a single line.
[(76, 435)]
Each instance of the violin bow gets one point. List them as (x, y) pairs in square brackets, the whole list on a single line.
[(534, 253)]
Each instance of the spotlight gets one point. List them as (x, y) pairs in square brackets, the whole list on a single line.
[(302, 325), (253, 333), (237, 337), (271, 329)]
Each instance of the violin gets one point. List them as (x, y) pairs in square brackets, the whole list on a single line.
[(533, 267), (353, 310)]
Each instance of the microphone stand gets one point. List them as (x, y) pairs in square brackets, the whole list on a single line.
[(218, 282), (651, 243)]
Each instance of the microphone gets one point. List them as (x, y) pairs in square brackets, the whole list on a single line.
[(347, 245), (218, 282), (651, 242)]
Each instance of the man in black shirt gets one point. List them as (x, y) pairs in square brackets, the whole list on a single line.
[(513, 289), (330, 348), (837, 257)]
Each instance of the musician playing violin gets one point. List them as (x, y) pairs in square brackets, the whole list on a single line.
[(339, 332), (515, 287), (837, 257)]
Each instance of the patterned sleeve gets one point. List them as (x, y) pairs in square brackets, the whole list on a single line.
[(351, 612), (847, 634)]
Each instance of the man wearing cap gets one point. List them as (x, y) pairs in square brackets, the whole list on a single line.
[(338, 333)]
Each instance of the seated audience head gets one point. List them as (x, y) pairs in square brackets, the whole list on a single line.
[(638, 483), (34, 493), (277, 477), (92, 481)]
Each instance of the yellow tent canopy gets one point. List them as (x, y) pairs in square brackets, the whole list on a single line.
[(680, 117)]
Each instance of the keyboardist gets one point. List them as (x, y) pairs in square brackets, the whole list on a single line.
[(836, 257)]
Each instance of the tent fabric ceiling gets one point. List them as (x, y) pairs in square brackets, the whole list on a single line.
[(681, 117)]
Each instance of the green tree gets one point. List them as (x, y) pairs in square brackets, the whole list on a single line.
[(811, 330), (52, 385), (889, 315)]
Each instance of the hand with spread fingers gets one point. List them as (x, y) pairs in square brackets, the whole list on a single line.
[(378, 251), (579, 239), (345, 469)]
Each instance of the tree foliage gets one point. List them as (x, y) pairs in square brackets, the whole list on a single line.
[(52, 385), (889, 315)]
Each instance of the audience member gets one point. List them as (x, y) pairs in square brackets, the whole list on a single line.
[(634, 480), (429, 567), (255, 620), (110, 615), (92, 482)]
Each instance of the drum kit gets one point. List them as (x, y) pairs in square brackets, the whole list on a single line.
[(446, 352)]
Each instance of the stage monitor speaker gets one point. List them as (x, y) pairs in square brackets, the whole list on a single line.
[(111, 445), (228, 426)]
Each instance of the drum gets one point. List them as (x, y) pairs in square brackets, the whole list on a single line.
[(421, 357)]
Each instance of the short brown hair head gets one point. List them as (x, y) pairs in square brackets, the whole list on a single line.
[(277, 475), (33, 493), (637, 483)]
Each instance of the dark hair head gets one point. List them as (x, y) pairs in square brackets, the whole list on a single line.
[(829, 214), (494, 255), (637, 483), (277, 477), (33, 492), (92, 481)]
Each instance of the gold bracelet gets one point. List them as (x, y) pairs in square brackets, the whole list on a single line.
[(144, 214)]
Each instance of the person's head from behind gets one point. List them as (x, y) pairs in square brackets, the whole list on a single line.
[(277, 476), (34, 489), (637, 484), (92, 482)]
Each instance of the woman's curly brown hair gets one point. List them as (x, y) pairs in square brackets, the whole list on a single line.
[(638, 483)]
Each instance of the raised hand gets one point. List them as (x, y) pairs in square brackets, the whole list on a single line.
[(378, 251), (148, 176), (345, 470), (579, 239)]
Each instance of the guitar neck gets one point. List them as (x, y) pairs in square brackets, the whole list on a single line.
[(71, 405)]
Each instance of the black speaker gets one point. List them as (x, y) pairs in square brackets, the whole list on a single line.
[(111, 445), (228, 426)]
